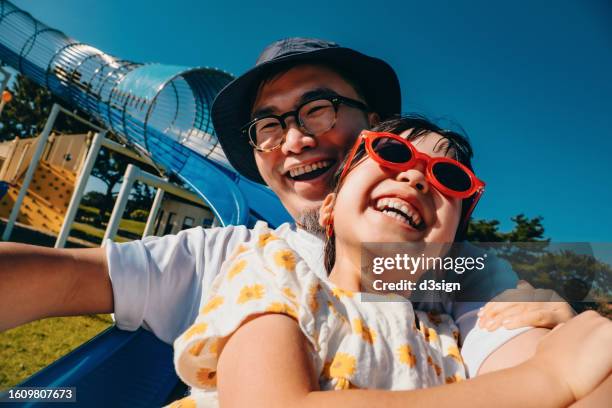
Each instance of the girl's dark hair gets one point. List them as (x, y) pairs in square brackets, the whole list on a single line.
[(420, 126)]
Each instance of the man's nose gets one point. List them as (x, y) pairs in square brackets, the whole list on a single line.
[(415, 177), (296, 140)]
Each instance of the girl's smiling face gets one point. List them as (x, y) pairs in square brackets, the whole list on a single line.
[(378, 204)]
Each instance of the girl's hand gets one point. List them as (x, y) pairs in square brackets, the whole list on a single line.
[(577, 354), (538, 308)]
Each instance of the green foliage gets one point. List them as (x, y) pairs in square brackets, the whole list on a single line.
[(109, 169), (93, 199), (572, 273), (139, 215), (26, 114), (86, 214), (525, 230), (140, 199)]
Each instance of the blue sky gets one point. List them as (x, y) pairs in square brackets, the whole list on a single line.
[(529, 82)]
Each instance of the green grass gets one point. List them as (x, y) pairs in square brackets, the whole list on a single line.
[(31, 347), (88, 229), (95, 232), (135, 227), (87, 208), (131, 226)]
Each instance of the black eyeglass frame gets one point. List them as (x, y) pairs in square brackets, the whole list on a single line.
[(336, 101)]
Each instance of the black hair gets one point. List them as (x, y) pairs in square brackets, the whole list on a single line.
[(280, 69), (420, 125)]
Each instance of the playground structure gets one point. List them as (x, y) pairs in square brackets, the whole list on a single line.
[(163, 113), (46, 201), (45, 207)]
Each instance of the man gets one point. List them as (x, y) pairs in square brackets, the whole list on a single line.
[(287, 122)]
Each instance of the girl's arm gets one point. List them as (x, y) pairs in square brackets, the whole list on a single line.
[(600, 397), (266, 363)]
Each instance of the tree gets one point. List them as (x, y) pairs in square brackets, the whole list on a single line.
[(109, 169), (139, 215), (570, 270), (140, 199), (26, 115), (524, 230), (484, 231), (93, 199)]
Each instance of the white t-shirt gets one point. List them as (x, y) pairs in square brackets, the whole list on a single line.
[(159, 283)]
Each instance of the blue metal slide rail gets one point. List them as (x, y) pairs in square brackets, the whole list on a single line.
[(4, 186)]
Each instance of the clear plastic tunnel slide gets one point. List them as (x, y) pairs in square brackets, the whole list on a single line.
[(163, 112)]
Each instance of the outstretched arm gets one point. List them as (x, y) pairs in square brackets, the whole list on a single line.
[(278, 372), (38, 282)]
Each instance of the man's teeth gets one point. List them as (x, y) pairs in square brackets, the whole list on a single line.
[(298, 171), (400, 210)]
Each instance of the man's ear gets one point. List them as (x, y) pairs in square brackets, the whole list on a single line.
[(373, 119), (327, 209)]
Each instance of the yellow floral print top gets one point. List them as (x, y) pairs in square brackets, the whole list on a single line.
[(355, 344)]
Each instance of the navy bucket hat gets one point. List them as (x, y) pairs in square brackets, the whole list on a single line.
[(232, 107)]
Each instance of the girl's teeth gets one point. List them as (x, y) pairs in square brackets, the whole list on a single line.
[(396, 216), (407, 213)]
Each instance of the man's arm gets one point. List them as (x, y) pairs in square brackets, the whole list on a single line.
[(38, 282), (525, 306), (484, 350)]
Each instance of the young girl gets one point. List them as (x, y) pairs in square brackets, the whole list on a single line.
[(274, 334)]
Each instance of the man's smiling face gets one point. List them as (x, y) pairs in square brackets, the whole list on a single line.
[(300, 170)]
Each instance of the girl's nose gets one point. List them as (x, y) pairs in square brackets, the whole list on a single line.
[(415, 179)]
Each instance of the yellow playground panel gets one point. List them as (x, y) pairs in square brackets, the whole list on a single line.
[(49, 193)]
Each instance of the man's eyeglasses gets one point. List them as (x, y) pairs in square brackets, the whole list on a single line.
[(448, 176), (313, 117)]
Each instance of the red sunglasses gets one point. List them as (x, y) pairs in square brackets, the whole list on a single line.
[(448, 176)]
